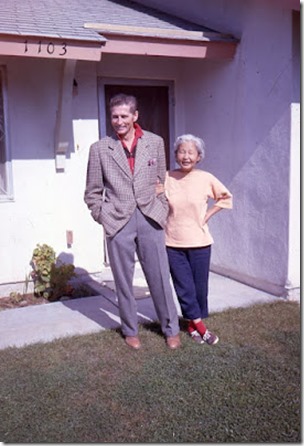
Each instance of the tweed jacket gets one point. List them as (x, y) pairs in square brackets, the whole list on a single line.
[(112, 192)]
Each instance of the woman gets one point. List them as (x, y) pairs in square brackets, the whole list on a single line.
[(188, 239)]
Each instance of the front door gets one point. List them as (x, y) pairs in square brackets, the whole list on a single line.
[(153, 107)]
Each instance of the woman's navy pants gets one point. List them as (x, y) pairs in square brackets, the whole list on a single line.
[(189, 269)]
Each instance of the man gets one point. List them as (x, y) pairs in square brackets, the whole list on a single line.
[(123, 170)]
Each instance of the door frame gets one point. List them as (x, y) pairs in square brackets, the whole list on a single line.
[(102, 81)]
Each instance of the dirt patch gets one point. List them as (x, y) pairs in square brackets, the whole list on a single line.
[(17, 300)]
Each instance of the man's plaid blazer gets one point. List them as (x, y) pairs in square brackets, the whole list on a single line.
[(112, 192)]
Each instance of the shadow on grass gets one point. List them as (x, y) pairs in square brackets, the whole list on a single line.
[(155, 327)]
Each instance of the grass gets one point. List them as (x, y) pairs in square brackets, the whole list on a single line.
[(94, 389)]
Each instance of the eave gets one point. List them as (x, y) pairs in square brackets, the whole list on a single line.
[(50, 47), (145, 41), (120, 39), (168, 48)]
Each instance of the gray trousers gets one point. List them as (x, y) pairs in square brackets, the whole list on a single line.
[(143, 236)]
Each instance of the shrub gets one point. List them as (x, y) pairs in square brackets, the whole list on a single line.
[(60, 276), (50, 276)]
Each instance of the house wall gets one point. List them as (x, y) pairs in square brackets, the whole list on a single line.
[(248, 113), (241, 108), (46, 203)]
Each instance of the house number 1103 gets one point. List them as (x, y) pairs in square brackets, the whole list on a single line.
[(48, 47)]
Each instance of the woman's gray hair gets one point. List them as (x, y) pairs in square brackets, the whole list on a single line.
[(198, 142)]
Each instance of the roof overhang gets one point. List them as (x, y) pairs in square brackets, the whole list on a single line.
[(175, 48), (179, 43), (50, 47), (119, 39)]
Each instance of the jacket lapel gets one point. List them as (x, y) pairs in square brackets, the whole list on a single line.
[(142, 155), (119, 156)]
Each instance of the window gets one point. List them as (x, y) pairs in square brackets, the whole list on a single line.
[(5, 162)]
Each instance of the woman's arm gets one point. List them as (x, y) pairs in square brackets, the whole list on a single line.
[(159, 188), (223, 199)]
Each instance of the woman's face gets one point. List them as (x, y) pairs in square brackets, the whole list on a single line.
[(187, 156)]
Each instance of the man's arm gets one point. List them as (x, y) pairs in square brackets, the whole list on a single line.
[(94, 182), (161, 171)]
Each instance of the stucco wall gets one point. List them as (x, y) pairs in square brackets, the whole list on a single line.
[(46, 203), (243, 111), (241, 108)]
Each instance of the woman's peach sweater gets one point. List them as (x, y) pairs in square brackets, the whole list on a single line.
[(188, 195)]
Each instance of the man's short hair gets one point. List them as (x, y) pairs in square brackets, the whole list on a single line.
[(124, 99)]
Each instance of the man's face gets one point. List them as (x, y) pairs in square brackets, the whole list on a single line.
[(122, 120)]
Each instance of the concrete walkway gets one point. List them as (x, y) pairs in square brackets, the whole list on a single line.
[(45, 323)]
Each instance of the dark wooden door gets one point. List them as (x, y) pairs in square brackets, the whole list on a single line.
[(153, 108)]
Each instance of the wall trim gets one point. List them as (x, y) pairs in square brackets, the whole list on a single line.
[(284, 291)]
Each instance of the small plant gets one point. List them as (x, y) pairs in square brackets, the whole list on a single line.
[(16, 297), (43, 260), (50, 279)]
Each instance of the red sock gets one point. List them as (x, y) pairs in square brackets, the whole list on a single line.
[(191, 327), (199, 326)]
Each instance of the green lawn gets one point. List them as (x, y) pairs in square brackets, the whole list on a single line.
[(94, 389)]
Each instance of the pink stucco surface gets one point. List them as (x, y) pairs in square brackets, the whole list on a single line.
[(242, 107)]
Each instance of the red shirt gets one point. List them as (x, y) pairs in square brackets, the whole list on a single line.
[(131, 153)]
